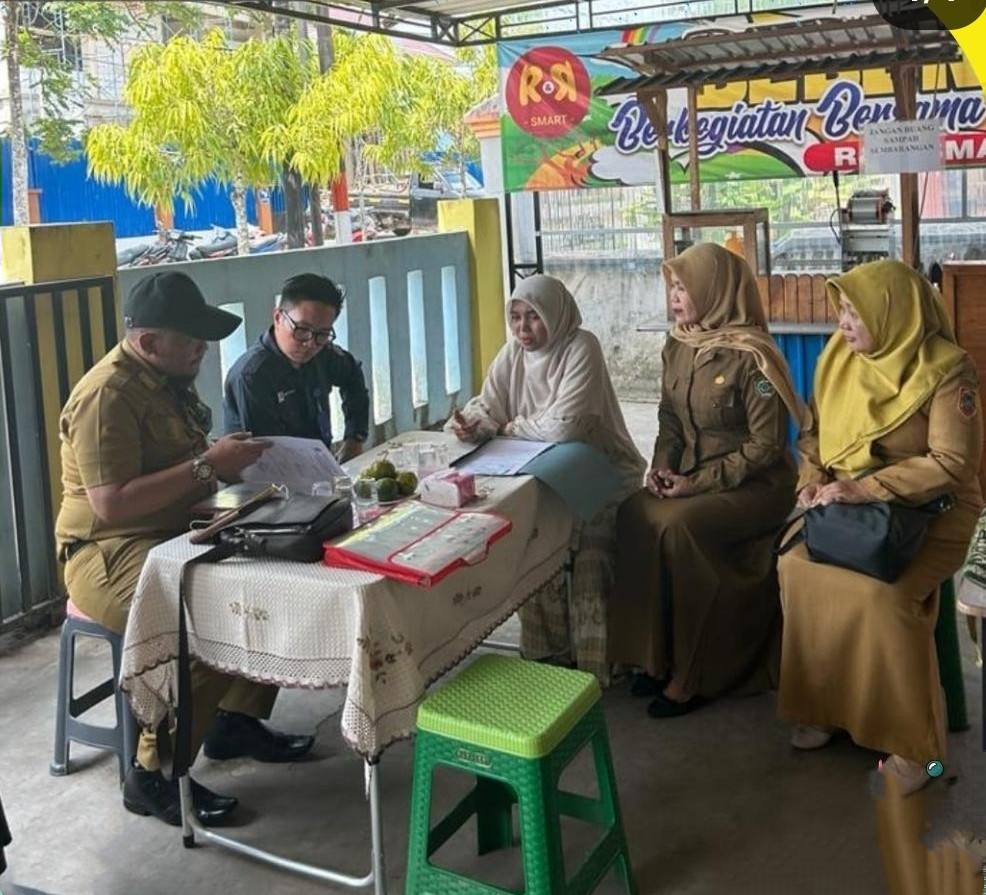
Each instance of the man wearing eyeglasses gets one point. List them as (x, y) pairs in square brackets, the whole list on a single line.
[(281, 385)]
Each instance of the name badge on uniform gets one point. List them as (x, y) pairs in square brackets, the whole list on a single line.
[(283, 396)]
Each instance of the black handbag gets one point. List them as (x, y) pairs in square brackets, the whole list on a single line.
[(879, 538), (293, 529)]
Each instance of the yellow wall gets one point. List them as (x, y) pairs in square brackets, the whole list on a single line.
[(480, 219), (42, 252)]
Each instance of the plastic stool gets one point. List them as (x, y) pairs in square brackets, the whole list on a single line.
[(121, 737), (515, 726)]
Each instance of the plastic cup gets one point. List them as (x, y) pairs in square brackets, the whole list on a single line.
[(342, 486)]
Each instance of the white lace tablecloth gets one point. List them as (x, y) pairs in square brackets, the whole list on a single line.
[(308, 626)]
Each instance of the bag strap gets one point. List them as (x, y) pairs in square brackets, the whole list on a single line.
[(780, 545), (175, 761)]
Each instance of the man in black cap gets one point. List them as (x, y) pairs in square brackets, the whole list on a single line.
[(135, 459), (281, 385)]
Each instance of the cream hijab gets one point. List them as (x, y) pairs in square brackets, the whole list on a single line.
[(724, 291), (538, 374), (861, 397), (562, 391)]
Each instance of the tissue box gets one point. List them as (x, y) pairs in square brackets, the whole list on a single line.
[(448, 488)]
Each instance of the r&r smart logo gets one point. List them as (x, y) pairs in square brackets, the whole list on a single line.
[(548, 91)]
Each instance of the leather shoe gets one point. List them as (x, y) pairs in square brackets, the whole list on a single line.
[(148, 793), (662, 707), (234, 735)]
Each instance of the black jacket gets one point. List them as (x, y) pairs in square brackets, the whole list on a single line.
[(266, 395)]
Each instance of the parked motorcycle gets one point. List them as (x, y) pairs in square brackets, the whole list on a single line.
[(224, 243), (363, 229), (171, 246), (124, 258)]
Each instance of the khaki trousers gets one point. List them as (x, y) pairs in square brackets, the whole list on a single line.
[(101, 578)]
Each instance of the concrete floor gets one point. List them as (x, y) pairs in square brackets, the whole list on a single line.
[(713, 802)]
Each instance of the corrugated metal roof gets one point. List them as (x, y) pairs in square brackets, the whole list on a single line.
[(817, 46)]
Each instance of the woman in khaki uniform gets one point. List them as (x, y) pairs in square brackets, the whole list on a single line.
[(696, 597), (894, 394)]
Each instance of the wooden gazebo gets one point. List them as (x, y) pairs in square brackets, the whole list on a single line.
[(781, 51)]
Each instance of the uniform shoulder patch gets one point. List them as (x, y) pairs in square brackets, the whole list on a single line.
[(967, 402), (764, 387)]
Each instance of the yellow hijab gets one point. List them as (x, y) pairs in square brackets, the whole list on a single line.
[(724, 291), (862, 397)]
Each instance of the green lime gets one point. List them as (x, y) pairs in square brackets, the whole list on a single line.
[(407, 481), (384, 469), (363, 488), (387, 490)]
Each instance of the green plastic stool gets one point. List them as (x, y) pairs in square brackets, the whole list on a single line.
[(950, 658), (515, 726)]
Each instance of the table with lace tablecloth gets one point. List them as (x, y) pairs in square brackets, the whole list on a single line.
[(301, 625), (308, 626)]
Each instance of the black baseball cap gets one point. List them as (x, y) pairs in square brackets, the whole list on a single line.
[(171, 300)]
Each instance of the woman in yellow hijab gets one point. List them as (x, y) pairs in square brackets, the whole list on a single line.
[(896, 417), (695, 604)]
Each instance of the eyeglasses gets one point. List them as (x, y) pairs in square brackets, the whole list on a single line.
[(305, 334)]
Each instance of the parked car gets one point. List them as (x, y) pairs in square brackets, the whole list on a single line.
[(403, 203)]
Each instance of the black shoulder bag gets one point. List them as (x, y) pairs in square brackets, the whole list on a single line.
[(879, 538), (292, 529)]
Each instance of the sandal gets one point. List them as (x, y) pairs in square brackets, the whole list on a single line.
[(811, 736), (910, 775)]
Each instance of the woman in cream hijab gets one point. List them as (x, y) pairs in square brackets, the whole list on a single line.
[(696, 603), (550, 383), (896, 417)]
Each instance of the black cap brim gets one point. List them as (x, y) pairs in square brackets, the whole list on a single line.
[(210, 324)]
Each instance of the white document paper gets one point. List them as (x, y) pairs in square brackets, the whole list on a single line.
[(502, 456), (295, 462)]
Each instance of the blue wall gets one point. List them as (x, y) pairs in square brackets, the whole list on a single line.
[(801, 350), (69, 194)]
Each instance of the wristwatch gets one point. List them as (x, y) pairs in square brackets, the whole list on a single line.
[(203, 470)]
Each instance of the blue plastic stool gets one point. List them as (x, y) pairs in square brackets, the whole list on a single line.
[(121, 738)]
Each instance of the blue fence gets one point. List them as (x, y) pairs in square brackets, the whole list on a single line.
[(69, 194)]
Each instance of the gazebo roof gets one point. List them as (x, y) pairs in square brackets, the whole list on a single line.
[(780, 50), (462, 22)]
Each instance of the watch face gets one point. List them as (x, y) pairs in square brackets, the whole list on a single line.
[(202, 470)]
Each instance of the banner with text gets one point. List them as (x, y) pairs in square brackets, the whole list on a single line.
[(558, 133)]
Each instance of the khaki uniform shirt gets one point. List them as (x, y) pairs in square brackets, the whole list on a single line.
[(124, 420), (934, 451), (721, 420)]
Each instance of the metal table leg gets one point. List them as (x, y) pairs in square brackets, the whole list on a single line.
[(192, 831)]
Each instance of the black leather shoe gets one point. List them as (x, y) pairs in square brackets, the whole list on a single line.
[(233, 735), (662, 707), (148, 793), (211, 804)]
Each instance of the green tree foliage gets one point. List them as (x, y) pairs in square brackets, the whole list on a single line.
[(201, 110)]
